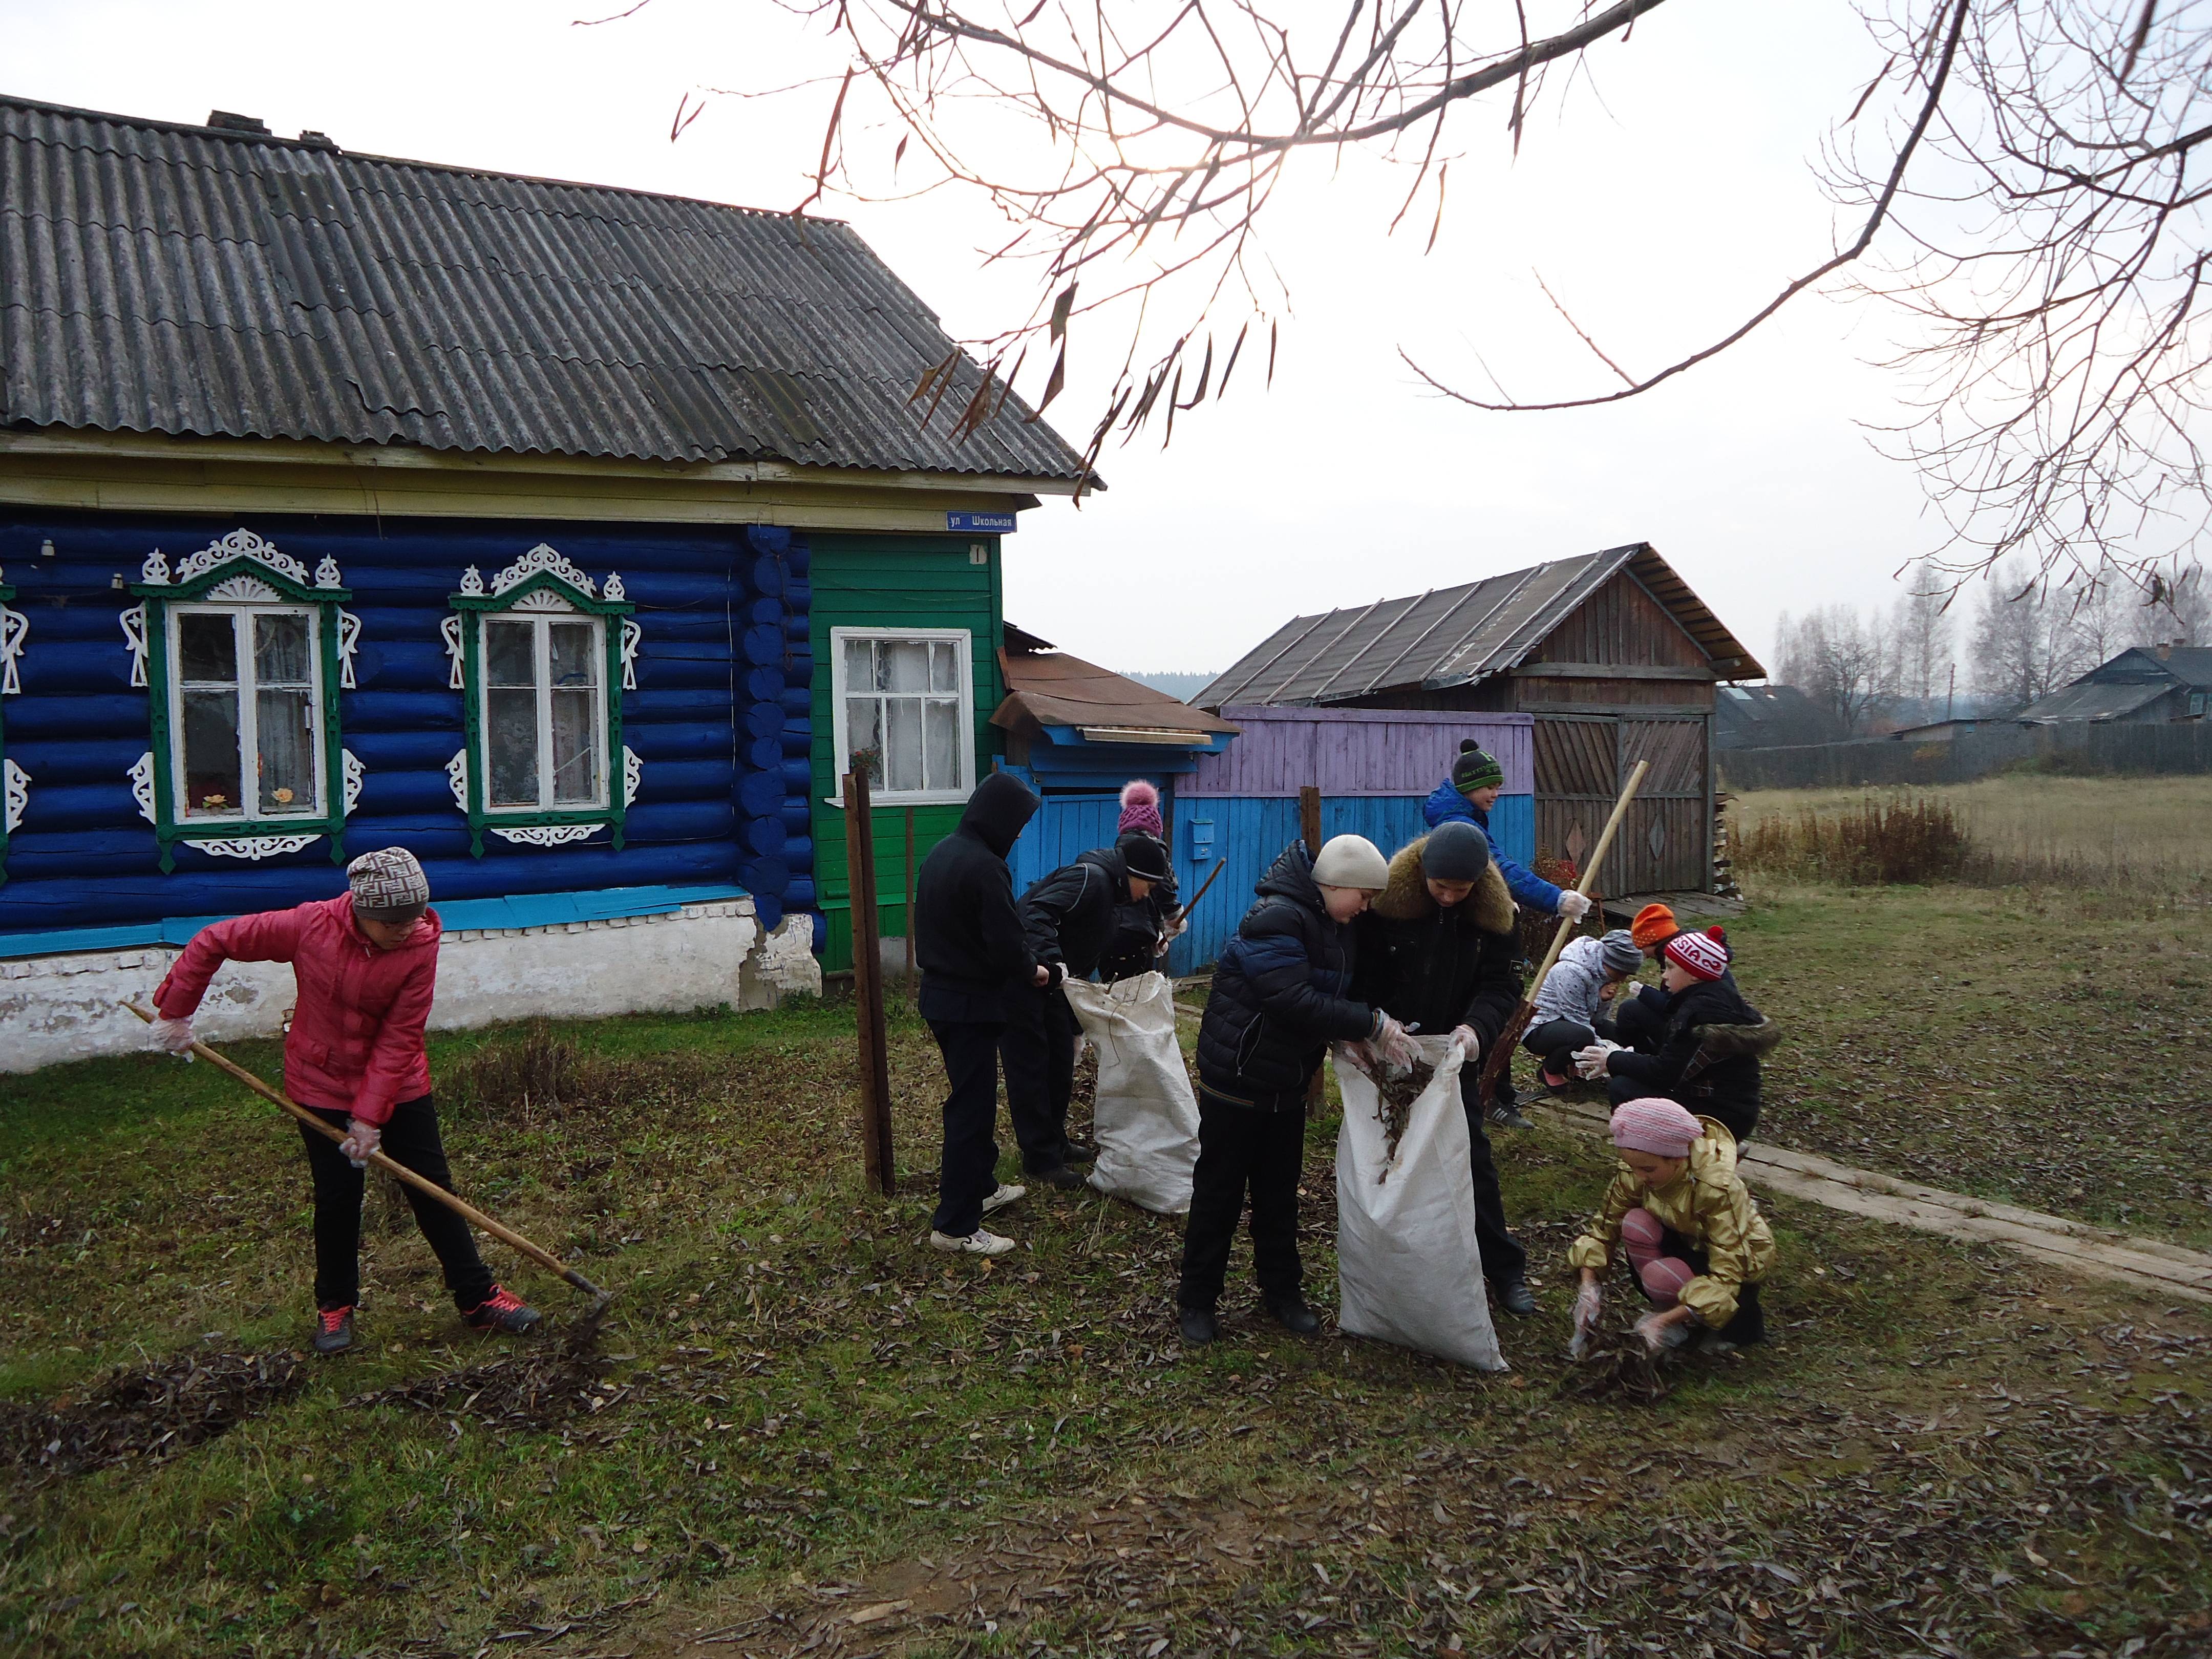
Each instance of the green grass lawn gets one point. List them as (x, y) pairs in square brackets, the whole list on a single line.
[(805, 1415)]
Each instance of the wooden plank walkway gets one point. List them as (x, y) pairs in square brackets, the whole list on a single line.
[(2096, 1252)]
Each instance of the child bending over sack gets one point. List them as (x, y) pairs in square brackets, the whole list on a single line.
[(1694, 1237)]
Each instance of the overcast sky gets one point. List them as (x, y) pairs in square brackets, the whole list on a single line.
[(1673, 195)]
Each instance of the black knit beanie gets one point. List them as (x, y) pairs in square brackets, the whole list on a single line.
[(1456, 851)]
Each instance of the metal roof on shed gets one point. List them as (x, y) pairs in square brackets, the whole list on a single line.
[(1454, 636), (193, 281)]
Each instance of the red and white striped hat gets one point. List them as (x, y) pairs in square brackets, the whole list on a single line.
[(1704, 956)]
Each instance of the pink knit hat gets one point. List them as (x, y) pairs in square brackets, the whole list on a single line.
[(1140, 809), (1704, 956), (1655, 1126)]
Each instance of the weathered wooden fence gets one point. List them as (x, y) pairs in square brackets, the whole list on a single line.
[(2144, 749)]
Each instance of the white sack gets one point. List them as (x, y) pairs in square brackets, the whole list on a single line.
[(1407, 1266), (1145, 1116)]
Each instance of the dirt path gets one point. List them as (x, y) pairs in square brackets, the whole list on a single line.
[(2097, 1252)]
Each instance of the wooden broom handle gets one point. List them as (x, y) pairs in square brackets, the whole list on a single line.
[(506, 1236), (1500, 1055)]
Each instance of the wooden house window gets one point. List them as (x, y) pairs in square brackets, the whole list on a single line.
[(243, 654), (904, 711), (542, 656)]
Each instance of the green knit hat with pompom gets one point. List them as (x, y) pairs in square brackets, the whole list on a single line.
[(1476, 768)]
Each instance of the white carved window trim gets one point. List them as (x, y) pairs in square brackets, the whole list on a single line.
[(882, 794)]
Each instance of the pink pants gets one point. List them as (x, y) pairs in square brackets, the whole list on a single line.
[(1662, 1276)]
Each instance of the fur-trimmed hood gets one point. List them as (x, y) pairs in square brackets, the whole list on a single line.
[(1723, 1042), (1489, 907)]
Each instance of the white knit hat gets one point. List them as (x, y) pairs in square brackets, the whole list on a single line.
[(389, 879), (1352, 861)]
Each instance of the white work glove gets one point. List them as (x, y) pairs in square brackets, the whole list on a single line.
[(1178, 924), (1469, 1041), (1574, 906), (361, 1138), (1394, 1046), (174, 1035), (1590, 1062), (1588, 1303), (1161, 948), (1660, 1333)]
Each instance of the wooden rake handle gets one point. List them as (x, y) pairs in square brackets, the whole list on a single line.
[(505, 1235), (1501, 1053)]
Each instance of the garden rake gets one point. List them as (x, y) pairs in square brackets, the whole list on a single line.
[(469, 1212)]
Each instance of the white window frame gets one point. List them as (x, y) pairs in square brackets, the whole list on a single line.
[(541, 668), (249, 736), (965, 643)]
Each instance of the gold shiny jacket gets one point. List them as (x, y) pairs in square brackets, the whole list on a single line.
[(1708, 1204)]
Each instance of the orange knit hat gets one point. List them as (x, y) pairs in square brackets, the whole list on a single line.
[(1654, 924)]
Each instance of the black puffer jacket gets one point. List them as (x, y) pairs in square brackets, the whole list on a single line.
[(1281, 991), (1708, 1057), (1138, 924), (1069, 915), (972, 948), (1434, 967)]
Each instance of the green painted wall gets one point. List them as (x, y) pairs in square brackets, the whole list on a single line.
[(895, 581)]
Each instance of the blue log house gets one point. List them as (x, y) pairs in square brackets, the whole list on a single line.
[(576, 538)]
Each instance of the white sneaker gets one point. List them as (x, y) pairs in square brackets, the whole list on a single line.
[(1003, 1196), (978, 1243)]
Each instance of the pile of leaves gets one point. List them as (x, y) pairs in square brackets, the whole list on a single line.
[(1616, 1365), (538, 1387), (151, 1413), (1395, 1093)]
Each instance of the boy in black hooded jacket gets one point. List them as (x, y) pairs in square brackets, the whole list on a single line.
[(974, 956)]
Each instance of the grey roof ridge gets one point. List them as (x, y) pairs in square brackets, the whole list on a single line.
[(273, 140)]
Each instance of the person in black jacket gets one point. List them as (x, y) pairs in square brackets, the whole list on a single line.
[(1141, 929), (1068, 916), (1708, 1050), (1281, 994), (975, 956), (1437, 953)]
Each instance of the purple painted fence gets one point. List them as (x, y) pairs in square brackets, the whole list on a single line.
[(1355, 751)]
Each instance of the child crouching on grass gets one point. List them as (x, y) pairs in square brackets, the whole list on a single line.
[(1694, 1235)]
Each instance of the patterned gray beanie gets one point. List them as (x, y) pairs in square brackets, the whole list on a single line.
[(1619, 953), (391, 880)]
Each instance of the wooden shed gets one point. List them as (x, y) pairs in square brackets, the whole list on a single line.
[(1611, 654)]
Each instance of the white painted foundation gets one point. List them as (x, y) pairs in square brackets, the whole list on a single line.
[(68, 1007)]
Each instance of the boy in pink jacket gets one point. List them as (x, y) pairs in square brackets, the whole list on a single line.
[(366, 963)]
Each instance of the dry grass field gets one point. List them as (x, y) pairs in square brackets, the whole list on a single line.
[(2109, 833)]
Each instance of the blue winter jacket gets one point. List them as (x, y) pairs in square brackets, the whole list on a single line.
[(1446, 803)]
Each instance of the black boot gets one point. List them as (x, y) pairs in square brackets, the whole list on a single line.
[(1518, 1299), (1199, 1327), (1291, 1313)]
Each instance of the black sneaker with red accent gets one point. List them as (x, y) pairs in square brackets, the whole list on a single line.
[(503, 1310), (333, 1330)]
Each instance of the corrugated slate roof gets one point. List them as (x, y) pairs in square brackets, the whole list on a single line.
[(2093, 700), (1454, 636), (192, 281)]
